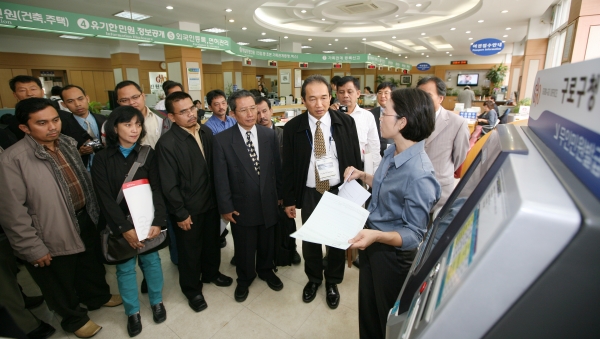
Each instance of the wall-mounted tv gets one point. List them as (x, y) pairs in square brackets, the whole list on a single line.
[(467, 79)]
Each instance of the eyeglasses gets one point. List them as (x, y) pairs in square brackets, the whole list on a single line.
[(127, 100), (384, 93), (190, 111), (246, 109)]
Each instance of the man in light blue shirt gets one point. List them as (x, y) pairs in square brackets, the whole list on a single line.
[(220, 120)]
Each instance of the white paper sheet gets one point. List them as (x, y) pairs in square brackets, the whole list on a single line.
[(138, 195), (334, 221), (354, 192)]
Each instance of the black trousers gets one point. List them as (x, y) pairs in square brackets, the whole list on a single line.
[(73, 279), (313, 253), (383, 270), (198, 252), (252, 242)]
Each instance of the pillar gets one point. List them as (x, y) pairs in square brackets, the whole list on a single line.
[(585, 15), (534, 58), (232, 73), (287, 69), (184, 65), (125, 62)]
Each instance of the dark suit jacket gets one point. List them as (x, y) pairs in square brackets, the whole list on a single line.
[(72, 128), (279, 133), (238, 185), (297, 151), (383, 142), (186, 176)]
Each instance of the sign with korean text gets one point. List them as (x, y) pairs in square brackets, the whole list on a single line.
[(487, 47), (157, 79), (565, 114), (423, 66)]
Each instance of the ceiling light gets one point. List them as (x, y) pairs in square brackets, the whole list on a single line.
[(471, 43), (243, 43), (132, 15), (505, 36), (266, 40), (336, 40), (263, 33), (423, 33), (422, 53), (447, 52), (427, 56), (309, 39), (345, 47), (453, 28), (405, 57), (273, 49), (285, 37), (215, 30), (379, 56), (508, 28), (323, 19), (328, 52), (468, 32), (169, 7), (418, 5), (397, 15), (399, 54), (228, 10), (231, 20), (393, 37), (364, 39), (73, 37), (303, 47), (244, 28), (303, 11), (329, 44), (504, 11), (480, 21), (470, 38), (503, 41), (144, 44)]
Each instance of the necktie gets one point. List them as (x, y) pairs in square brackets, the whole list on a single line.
[(252, 152), (90, 130), (321, 185)]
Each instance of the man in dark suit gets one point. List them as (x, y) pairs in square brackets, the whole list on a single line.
[(384, 92), (246, 156), (82, 120), (185, 165), (330, 138)]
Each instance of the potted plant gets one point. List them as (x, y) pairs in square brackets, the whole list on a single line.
[(496, 75), (380, 79), (95, 107)]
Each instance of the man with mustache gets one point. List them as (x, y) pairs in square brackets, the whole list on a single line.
[(220, 120)]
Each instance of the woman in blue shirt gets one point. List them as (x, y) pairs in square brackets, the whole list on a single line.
[(404, 191)]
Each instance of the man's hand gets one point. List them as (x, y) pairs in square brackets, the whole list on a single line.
[(291, 211), (83, 150), (185, 225), (364, 239), (154, 232), (132, 239), (43, 261), (335, 106), (229, 216)]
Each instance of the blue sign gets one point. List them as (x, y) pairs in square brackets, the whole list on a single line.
[(423, 66), (487, 47)]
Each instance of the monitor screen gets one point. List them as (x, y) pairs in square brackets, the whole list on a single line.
[(467, 79)]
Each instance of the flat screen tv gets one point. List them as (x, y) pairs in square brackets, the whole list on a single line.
[(467, 79)]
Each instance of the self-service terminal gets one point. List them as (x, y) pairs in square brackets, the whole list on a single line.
[(515, 252)]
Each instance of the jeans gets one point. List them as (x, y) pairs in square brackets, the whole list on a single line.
[(128, 283)]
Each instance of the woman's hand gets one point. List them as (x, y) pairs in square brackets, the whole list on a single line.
[(352, 173), (154, 232), (132, 239), (364, 239)]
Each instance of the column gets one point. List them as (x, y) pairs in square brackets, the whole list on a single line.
[(232, 72), (585, 16), (184, 65), (534, 57), (289, 67), (125, 61)]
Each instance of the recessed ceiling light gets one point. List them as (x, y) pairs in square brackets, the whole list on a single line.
[(399, 54), (447, 52), (243, 43), (169, 7), (214, 30), (470, 38), (397, 15), (231, 20), (228, 10), (144, 44), (468, 32), (303, 11), (471, 43), (73, 37), (508, 28), (267, 40), (405, 57), (263, 33), (423, 33), (453, 28), (364, 39), (505, 36), (309, 39), (369, 53), (132, 15), (394, 37), (418, 5), (303, 47), (450, 55), (503, 41), (427, 56), (480, 21), (422, 53), (379, 56), (336, 40), (323, 19), (385, 58), (285, 37), (504, 11), (244, 28), (273, 49), (329, 44), (328, 52), (345, 47)]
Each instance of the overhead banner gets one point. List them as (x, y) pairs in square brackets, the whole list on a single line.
[(487, 47), (42, 19)]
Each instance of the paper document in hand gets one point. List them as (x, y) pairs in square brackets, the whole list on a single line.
[(334, 221), (354, 192), (138, 195)]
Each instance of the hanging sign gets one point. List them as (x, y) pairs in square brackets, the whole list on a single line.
[(423, 66), (487, 47)]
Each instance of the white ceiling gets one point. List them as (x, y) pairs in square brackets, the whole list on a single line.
[(381, 27)]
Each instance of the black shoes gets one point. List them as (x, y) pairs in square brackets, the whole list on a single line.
[(274, 282), (296, 258), (198, 303), (144, 286), (333, 296), (134, 324), (241, 293), (42, 332), (221, 280), (159, 313), (310, 292), (32, 302)]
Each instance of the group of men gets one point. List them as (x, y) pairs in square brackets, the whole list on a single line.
[(238, 168)]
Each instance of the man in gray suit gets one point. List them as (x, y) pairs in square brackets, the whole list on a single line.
[(248, 185), (466, 97), (448, 145)]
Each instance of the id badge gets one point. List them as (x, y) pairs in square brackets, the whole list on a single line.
[(326, 168)]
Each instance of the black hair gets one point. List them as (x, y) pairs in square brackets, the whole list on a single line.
[(126, 83), (259, 99), (174, 97), (440, 85), (23, 79), (489, 104), (56, 90), (368, 88), (25, 108), (385, 85), (196, 102), (417, 107), (215, 93), (348, 79), (119, 115), (171, 84), (68, 87), (335, 79), (238, 95), (255, 92), (314, 78)]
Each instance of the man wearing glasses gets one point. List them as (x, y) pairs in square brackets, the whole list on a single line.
[(185, 165), (384, 91), (129, 93)]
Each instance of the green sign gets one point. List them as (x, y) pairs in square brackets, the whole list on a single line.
[(42, 19)]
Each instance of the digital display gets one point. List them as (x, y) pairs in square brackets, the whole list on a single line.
[(458, 62), (468, 79), (337, 65)]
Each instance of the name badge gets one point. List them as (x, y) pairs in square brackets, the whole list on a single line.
[(326, 168)]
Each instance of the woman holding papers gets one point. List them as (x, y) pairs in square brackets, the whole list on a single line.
[(404, 191), (124, 128)]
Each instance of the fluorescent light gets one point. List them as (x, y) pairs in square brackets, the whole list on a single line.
[(323, 19), (329, 44), (480, 21), (397, 15), (399, 54), (244, 28), (385, 58), (447, 52), (503, 41), (422, 53), (470, 38), (345, 47), (231, 20), (505, 35), (364, 39), (504, 11), (73, 37), (450, 55), (427, 56), (468, 32), (328, 52), (215, 30), (132, 15), (405, 57), (144, 44), (336, 40), (423, 33), (453, 28), (243, 43), (303, 47), (418, 5), (508, 28), (228, 10), (169, 7), (273, 49), (263, 33), (267, 40), (303, 11), (285, 37)]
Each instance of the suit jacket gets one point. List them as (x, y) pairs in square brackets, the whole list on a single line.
[(80, 134), (238, 186), (297, 151), (383, 142), (279, 134), (447, 148), (466, 96)]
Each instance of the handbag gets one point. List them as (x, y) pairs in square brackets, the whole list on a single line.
[(115, 248)]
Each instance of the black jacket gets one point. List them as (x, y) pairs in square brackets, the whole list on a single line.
[(108, 173), (297, 152), (238, 185), (186, 176), (72, 128)]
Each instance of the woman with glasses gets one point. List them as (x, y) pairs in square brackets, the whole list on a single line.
[(124, 130), (404, 191)]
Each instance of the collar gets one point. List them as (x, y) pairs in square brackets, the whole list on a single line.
[(243, 130), (437, 113), (407, 154), (112, 150), (78, 118), (325, 120), (197, 128)]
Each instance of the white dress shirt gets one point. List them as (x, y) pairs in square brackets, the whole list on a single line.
[(253, 138), (153, 124), (329, 148), (366, 129), (437, 113)]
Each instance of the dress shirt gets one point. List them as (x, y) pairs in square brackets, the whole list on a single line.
[(329, 148), (95, 129), (153, 125), (366, 129), (160, 106), (217, 125), (404, 191), (196, 135), (437, 113), (253, 138)]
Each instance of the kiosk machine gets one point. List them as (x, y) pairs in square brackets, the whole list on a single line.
[(515, 252)]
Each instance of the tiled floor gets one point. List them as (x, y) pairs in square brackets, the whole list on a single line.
[(265, 314)]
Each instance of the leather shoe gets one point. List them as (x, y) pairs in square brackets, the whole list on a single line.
[(115, 300), (159, 313), (310, 291), (198, 303), (134, 324), (222, 280), (88, 330), (241, 293), (333, 296), (274, 282), (43, 331), (144, 286), (32, 302), (296, 258)]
